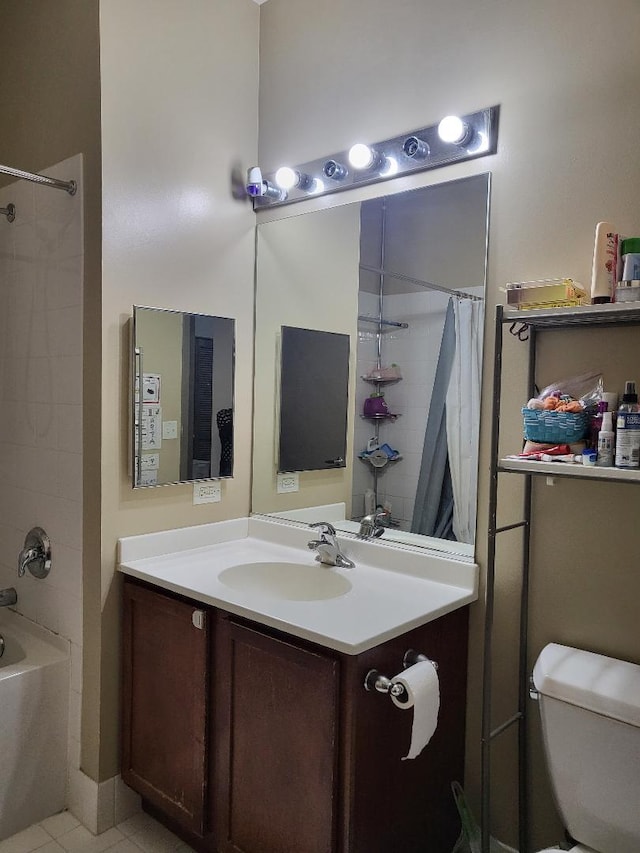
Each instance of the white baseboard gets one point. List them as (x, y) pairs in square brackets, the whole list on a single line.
[(99, 806)]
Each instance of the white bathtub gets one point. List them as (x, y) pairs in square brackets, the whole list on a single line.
[(34, 710)]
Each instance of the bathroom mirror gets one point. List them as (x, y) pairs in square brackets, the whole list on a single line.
[(182, 397), (403, 276)]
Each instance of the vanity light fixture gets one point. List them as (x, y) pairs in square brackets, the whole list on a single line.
[(454, 130), (453, 139)]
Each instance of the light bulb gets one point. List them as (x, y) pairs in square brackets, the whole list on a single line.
[(389, 167), (361, 156), (287, 178), (452, 129), (316, 187)]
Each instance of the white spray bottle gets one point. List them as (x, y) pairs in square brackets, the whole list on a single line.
[(606, 439)]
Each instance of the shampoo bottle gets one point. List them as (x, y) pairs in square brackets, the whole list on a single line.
[(628, 429), (606, 441), (605, 263)]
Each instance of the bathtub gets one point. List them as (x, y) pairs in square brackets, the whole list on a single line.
[(34, 710)]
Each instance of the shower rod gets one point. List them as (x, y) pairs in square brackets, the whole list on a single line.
[(428, 285), (68, 186)]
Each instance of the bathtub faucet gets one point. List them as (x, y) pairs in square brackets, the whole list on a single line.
[(36, 554), (8, 597)]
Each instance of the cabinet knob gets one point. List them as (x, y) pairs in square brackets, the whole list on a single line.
[(197, 618)]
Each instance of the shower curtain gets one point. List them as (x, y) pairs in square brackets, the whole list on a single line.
[(463, 415), (446, 496)]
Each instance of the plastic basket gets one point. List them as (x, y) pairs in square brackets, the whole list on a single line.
[(553, 427)]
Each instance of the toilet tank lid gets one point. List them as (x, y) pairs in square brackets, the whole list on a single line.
[(597, 683)]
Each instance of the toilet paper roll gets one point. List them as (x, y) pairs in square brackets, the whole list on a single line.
[(423, 695)]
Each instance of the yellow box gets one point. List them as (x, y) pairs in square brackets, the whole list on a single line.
[(546, 293)]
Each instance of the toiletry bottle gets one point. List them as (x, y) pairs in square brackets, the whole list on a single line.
[(628, 429), (596, 425), (630, 250), (606, 441), (605, 263)]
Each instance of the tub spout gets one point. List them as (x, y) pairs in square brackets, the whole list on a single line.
[(8, 597)]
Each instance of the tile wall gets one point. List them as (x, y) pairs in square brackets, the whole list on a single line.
[(41, 282)]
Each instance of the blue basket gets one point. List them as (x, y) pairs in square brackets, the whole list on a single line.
[(552, 427)]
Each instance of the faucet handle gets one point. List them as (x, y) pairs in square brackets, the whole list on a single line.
[(324, 527)]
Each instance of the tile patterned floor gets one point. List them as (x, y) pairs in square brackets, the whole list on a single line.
[(62, 833)]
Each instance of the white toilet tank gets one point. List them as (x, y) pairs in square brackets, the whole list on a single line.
[(590, 708)]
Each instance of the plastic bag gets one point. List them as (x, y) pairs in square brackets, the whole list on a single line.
[(469, 840), (587, 389)]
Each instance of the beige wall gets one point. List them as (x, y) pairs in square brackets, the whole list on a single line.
[(565, 75), (312, 283), (179, 113)]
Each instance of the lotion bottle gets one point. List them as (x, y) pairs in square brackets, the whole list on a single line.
[(606, 441), (605, 263)]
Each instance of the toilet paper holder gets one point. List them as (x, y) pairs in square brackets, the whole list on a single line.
[(374, 680)]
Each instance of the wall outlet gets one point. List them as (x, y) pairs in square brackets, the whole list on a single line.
[(206, 493), (287, 483), (169, 429)]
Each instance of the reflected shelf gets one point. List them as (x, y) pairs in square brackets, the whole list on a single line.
[(563, 469)]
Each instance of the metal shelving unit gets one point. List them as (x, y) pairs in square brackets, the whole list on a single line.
[(536, 320)]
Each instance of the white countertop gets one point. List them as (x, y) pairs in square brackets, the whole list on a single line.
[(392, 589)]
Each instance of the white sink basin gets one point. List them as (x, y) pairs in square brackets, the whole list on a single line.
[(286, 581)]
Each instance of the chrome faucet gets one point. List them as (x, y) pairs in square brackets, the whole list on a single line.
[(328, 548), (8, 597), (370, 527)]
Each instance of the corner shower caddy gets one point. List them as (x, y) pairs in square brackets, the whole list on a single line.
[(381, 323), (542, 319)]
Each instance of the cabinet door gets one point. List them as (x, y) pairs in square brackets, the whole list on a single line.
[(165, 703), (276, 754)]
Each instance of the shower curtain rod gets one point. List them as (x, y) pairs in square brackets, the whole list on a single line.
[(68, 186), (426, 284)]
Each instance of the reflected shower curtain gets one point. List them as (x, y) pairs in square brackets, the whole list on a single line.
[(446, 496), (433, 509), (463, 415)]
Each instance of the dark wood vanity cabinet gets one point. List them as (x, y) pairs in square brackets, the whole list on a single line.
[(276, 757), (299, 757), (165, 700)]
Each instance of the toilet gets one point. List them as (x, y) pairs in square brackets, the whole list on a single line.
[(590, 710)]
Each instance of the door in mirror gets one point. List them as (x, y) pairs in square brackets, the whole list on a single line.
[(314, 380), (182, 406)]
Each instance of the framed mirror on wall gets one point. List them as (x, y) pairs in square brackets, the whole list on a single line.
[(182, 397), (403, 277)]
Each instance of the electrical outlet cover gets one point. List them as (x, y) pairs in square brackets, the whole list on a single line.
[(287, 483), (207, 493)]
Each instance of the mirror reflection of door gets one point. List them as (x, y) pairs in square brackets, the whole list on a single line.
[(314, 386), (207, 397)]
